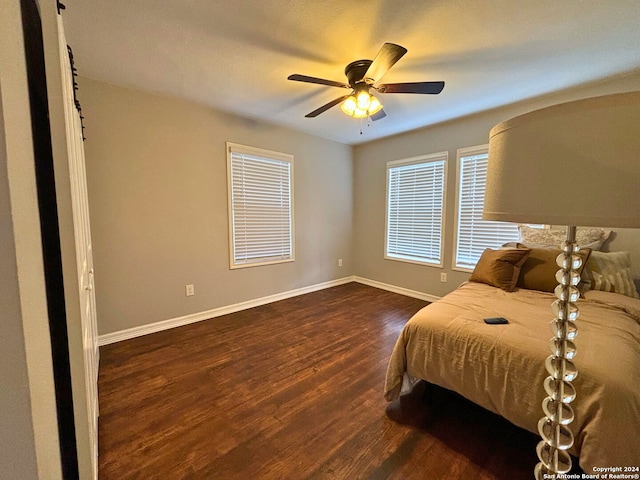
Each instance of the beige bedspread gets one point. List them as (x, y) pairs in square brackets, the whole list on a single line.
[(501, 367)]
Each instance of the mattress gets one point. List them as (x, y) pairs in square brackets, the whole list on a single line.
[(501, 367)]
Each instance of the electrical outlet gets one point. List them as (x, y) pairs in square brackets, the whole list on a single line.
[(443, 277), (339, 262), (189, 290)]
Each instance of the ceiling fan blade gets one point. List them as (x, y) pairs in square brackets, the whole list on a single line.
[(378, 115), (386, 58), (432, 88), (320, 81), (326, 107)]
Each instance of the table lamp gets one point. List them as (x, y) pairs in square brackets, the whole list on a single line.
[(577, 163)]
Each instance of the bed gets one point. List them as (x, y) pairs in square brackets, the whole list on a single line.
[(501, 367)]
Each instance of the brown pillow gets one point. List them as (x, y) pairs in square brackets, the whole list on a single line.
[(500, 268), (539, 270)]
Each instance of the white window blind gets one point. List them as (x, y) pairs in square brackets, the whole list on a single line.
[(415, 202), (473, 234), (260, 206)]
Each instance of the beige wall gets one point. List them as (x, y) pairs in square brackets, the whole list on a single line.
[(17, 448), (370, 189), (29, 445), (158, 198), (156, 170)]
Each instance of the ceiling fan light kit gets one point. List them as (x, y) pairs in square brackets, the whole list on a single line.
[(361, 106), (361, 76)]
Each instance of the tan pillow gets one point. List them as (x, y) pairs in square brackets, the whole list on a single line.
[(539, 270), (500, 268)]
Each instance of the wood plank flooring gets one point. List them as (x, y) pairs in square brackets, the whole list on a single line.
[(289, 390)]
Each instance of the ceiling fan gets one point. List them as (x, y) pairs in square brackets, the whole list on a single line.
[(361, 76)]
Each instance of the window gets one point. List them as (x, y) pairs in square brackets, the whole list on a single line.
[(260, 187), (473, 234), (415, 204)]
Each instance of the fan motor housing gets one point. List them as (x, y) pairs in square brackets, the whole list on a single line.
[(355, 71)]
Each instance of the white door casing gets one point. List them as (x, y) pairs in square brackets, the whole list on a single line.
[(84, 254)]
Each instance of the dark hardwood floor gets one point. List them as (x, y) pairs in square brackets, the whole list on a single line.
[(289, 390)]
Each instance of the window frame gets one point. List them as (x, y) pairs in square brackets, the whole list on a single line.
[(268, 156), (462, 153), (438, 157)]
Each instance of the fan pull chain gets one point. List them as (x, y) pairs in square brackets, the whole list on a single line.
[(368, 123)]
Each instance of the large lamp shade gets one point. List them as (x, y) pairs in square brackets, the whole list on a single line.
[(576, 163)]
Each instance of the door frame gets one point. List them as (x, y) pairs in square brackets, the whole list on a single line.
[(50, 233)]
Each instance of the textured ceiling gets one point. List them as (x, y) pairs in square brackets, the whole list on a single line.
[(235, 55)]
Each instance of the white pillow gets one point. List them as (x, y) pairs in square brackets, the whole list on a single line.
[(611, 272), (586, 237)]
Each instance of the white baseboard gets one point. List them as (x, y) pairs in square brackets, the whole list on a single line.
[(401, 290), (216, 312), (134, 332)]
